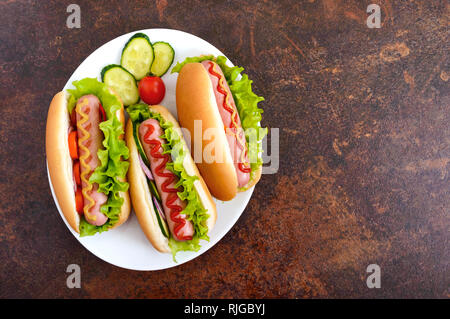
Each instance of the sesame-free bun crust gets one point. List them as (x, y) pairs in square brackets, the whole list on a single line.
[(196, 101), (140, 194), (58, 158), (60, 163)]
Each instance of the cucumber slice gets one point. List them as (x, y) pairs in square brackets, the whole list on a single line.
[(164, 55), (161, 222), (138, 55), (138, 143), (151, 184), (121, 82)]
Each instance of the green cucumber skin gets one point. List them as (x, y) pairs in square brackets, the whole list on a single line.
[(138, 144), (151, 184), (135, 36), (160, 221), (154, 190), (111, 66), (171, 62)]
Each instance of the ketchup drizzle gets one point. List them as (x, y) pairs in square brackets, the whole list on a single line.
[(170, 177), (243, 167)]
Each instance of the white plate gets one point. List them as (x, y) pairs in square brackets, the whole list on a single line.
[(127, 246)]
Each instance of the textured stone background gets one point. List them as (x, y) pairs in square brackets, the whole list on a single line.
[(364, 143)]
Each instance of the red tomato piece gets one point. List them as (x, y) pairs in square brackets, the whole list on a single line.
[(73, 144), (77, 172), (152, 90), (79, 202), (102, 114)]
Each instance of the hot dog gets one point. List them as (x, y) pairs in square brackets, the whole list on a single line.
[(231, 120), (207, 90), (150, 133), (92, 195), (171, 201), (89, 143)]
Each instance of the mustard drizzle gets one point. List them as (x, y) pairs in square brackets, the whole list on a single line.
[(86, 189)]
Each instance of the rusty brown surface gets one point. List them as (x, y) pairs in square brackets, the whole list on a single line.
[(364, 149)]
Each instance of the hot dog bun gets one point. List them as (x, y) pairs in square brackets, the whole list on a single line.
[(196, 101), (59, 162), (140, 194)]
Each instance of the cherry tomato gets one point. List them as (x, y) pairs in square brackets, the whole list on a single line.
[(152, 90)]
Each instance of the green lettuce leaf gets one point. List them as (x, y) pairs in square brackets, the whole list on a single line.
[(113, 165), (246, 103), (194, 211), (195, 59)]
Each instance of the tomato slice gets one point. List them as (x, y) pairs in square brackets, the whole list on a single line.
[(73, 118), (73, 144), (77, 172), (102, 114), (79, 203)]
